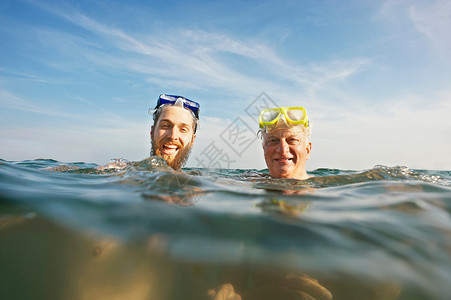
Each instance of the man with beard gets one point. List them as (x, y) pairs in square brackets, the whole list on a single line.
[(174, 129), (172, 134)]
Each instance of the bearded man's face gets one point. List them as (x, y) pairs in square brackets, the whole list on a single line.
[(173, 136)]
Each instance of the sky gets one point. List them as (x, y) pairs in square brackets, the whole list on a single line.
[(77, 78)]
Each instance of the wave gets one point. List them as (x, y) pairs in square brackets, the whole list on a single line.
[(385, 224)]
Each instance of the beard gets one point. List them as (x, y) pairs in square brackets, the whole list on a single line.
[(176, 161)]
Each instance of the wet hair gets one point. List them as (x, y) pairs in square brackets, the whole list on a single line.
[(157, 112)]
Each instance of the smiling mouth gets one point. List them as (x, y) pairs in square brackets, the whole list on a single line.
[(284, 160), (169, 149)]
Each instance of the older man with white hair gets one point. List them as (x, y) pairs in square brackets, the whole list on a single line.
[(285, 133)]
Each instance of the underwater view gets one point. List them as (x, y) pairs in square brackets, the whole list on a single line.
[(71, 231)]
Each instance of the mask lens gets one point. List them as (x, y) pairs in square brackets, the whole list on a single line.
[(190, 103), (270, 115), (295, 114), (169, 97)]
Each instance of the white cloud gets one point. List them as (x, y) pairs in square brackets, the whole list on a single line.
[(76, 143), (198, 59), (402, 131), (433, 20), (11, 101)]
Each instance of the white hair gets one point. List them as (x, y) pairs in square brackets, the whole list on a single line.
[(306, 130)]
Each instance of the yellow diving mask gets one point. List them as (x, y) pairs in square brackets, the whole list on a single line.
[(293, 115)]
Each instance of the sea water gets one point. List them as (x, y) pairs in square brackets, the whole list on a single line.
[(147, 232)]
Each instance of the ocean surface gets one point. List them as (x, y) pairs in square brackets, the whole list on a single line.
[(147, 232)]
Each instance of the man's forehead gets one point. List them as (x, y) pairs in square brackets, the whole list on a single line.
[(176, 114)]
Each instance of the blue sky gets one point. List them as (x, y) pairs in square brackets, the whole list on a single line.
[(77, 78)]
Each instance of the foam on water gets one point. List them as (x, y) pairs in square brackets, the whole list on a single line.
[(382, 233)]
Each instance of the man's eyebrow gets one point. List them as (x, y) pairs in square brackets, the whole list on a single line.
[(181, 123), (270, 136)]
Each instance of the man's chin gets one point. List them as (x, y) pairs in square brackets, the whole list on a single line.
[(281, 172), (177, 160), (169, 159)]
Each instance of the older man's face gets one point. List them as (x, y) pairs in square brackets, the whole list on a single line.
[(286, 151), (173, 136)]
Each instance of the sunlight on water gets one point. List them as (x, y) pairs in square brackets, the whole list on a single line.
[(147, 232)]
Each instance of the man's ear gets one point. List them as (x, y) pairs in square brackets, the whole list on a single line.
[(308, 149), (151, 131)]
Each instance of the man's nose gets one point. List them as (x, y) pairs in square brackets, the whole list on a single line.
[(283, 147), (173, 134)]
